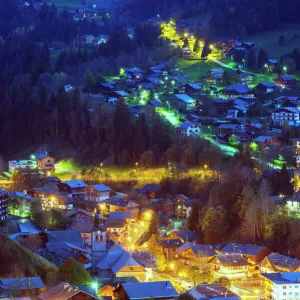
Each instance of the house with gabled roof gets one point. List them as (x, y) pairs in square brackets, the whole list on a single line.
[(146, 290), (66, 291), (290, 115), (265, 87), (97, 192), (184, 102), (252, 253), (189, 129), (232, 265), (236, 90), (212, 291), (191, 253), (120, 263), (284, 80), (75, 189), (10, 288), (276, 262)]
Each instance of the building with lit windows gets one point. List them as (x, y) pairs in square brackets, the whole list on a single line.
[(3, 204), (282, 286)]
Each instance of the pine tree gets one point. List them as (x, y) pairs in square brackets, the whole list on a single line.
[(251, 61), (296, 57), (140, 138), (186, 42), (206, 50), (262, 58), (285, 185), (196, 46)]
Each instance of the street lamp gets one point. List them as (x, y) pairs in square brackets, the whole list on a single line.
[(285, 69), (244, 65), (205, 166)]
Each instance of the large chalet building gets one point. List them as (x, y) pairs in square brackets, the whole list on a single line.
[(291, 115)]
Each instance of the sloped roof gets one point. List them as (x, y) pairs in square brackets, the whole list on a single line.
[(187, 235), (24, 283), (155, 103), (63, 291), (75, 183), (121, 215), (212, 291), (262, 138), (239, 88), (247, 249), (146, 290), (283, 261), (144, 258), (185, 98), (186, 125), (232, 260), (283, 277), (199, 250), (124, 260), (114, 223), (71, 236), (77, 210), (101, 187), (111, 257), (267, 84)]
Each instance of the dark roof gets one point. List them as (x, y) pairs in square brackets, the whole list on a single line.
[(246, 249), (144, 258), (283, 277), (148, 188), (65, 291), (114, 223), (155, 103), (267, 84), (283, 261), (56, 238), (24, 283), (212, 291), (174, 243), (239, 88), (232, 260), (101, 187), (198, 250), (187, 235), (146, 290)]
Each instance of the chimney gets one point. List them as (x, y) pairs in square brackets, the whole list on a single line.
[(66, 285)]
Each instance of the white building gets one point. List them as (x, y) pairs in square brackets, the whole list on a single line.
[(21, 164), (189, 129), (286, 114), (282, 286)]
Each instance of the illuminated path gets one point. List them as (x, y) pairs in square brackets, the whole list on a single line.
[(226, 149)]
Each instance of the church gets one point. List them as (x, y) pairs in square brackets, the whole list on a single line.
[(110, 260)]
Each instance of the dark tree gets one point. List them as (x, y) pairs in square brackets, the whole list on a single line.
[(262, 58), (285, 185), (251, 60), (206, 50), (196, 46)]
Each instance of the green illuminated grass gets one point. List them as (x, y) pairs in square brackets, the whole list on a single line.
[(195, 69)]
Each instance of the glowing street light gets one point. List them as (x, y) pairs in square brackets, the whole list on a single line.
[(148, 215), (205, 166), (285, 69), (32, 157), (95, 285), (211, 47), (185, 35), (172, 266)]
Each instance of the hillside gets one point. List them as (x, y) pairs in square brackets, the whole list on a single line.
[(17, 261)]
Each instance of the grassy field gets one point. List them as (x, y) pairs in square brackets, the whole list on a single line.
[(269, 40), (195, 69), (73, 4)]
